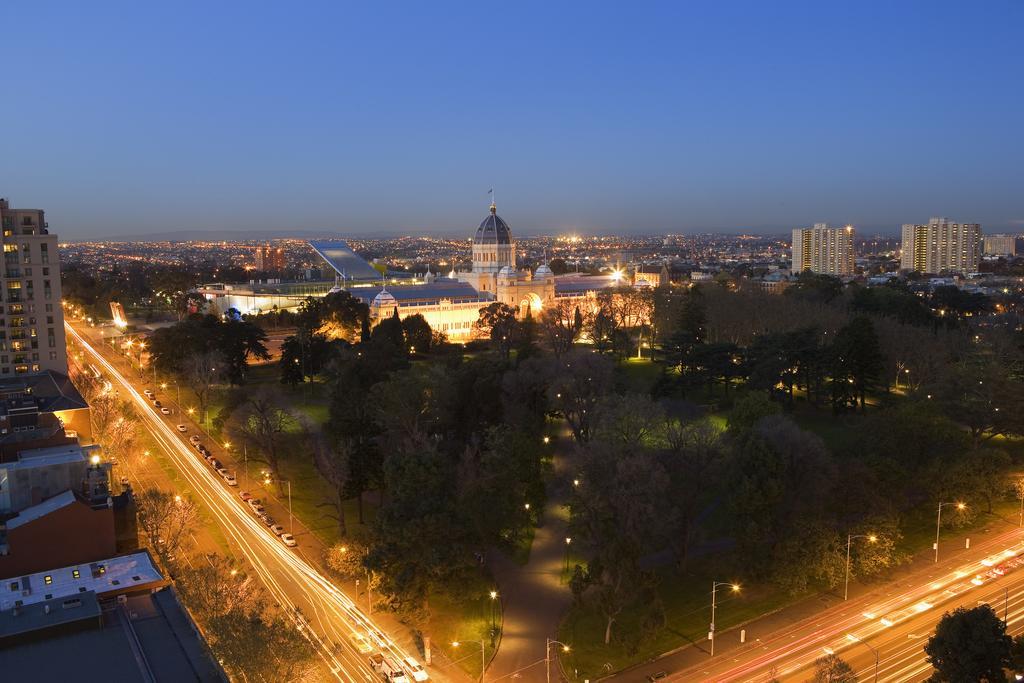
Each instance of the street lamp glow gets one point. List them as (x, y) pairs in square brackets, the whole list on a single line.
[(568, 540), (494, 594), (547, 439), (95, 460)]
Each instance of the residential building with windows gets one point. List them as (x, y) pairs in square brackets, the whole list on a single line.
[(941, 246), (32, 321), (823, 249), (1001, 245)]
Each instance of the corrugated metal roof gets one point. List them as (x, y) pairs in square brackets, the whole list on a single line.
[(345, 262), (450, 289)]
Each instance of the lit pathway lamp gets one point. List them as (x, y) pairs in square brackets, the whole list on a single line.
[(714, 596), (938, 524), (267, 480), (850, 539), (483, 663)]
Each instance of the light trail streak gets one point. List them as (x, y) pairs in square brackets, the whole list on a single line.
[(276, 565)]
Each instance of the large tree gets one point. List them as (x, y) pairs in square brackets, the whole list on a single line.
[(969, 645)]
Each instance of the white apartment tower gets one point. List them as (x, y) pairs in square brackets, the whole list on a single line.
[(941, 245), (824, 250), (32, 322)]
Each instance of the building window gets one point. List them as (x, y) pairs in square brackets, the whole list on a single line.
[(76, 574), (14, 586), (47, 579)]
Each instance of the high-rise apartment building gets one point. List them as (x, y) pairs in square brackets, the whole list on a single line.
[(941, 245), (1001, 245), (824, 250), (32, 321), (270, 259)]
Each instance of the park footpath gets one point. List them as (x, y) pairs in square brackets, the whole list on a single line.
[(534, 596), (693, 660)]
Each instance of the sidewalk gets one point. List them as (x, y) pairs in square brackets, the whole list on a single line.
[(692, 661)]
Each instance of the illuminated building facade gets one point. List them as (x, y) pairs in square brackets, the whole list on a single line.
[(32, 336), (823, 249), (941, 245)]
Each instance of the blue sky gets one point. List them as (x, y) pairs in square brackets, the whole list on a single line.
[(139, 117)]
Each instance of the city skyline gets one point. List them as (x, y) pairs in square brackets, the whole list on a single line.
[(609, 121)]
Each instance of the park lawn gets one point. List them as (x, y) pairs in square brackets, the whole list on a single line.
[(637, 375), (465, 618), (687, 604)]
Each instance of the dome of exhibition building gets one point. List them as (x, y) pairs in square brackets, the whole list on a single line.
[(493, 230)]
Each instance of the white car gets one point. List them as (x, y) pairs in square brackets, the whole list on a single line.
[(230, 480), (278, 530), (182, 428), (165, 411), (415, 668), (194, 439), (361, 643), (289, 540), (148, 393)]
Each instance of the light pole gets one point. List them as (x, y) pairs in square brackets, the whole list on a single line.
[(938, 525), (547, 655), (849, 539), (568, 542), (714, 596), (483, 663), (494, 596), (291, 520), (854, 639)]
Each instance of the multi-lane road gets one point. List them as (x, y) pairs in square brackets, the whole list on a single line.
[(325, 613), (895, 622)]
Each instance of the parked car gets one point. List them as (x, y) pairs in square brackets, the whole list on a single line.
[(657, 676), (360, 642), (157, 404), (182, 428), (221, 471), (259, 509), (278, 530), (152, 396), (254, 502), (268, 520), (289, 540), (415, 669), (194, 439), (230, 480), (165, 411), (147, 392), (245, 496), (215, 463)]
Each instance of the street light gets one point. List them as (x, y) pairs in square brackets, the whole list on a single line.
[(714, 595), (938, 525), (494, 597), (854, 639), (547, 655), (291, 520), (568, 542), (849, 539), (483, 663)]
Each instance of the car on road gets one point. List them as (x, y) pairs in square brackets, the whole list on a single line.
[(289, 540), (158, 404), (152, 396), (194, 439), (278, 530), (245, 496), (182, 428), (268, 520), (147, 392), (215, 463), (415, 669), (657, 676), (221, 471), (165, 411), (259, 510), (230, 480), (360, 643), (254, 502)]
